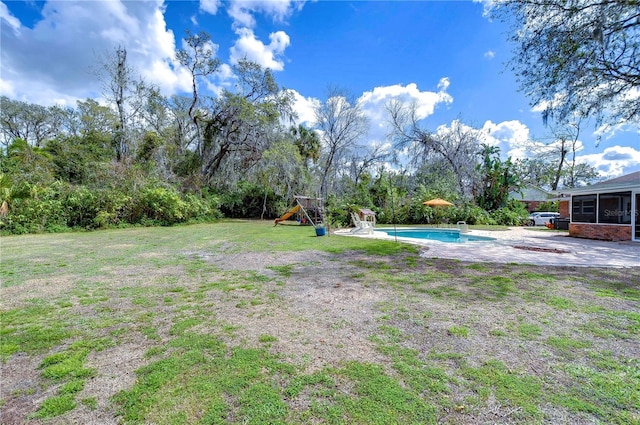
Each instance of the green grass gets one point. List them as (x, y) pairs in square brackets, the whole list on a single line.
[(560, 303), (529, 330), (56, 406), (526, 340), (284, 271), (494, 287), (461, 331), (33, 329), (513, 388)]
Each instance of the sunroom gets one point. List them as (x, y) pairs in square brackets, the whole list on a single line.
[(608, 210)]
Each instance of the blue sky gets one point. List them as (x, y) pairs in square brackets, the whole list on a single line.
[(446, 55)]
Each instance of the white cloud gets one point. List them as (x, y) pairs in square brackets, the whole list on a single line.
[(242, 11), (490, 54), (57, 59), (613, 161), (6, 15), (544, 105), (210, 6), (267, 55), (374, 101), (305, 108), (374, 104), (512, 137)]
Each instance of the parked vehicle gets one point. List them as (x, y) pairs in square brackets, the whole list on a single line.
[(542, 218)]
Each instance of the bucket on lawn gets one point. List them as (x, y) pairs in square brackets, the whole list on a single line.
[(321, 231)]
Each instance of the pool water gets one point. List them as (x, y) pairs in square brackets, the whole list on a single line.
[(441, 235)]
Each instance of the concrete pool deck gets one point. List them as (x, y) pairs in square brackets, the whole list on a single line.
[(528, 246)]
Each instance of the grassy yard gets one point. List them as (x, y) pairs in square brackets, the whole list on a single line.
[(242, 322)]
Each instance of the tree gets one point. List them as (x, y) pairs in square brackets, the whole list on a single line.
[(456, 145), (94, 119), (198, 58), (240, 125), (341, 123), (555, 163), (29, 122), (9, 192), (498, 179), (281, 170), (307, 142), (127, 94), (577, 57), (364, 158), (26, 163)]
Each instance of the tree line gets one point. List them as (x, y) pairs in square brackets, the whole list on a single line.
[(141, 158)]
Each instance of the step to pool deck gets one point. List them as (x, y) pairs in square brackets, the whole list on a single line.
[(530, 246)]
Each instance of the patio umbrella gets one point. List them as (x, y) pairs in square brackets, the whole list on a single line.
[(437, 202)]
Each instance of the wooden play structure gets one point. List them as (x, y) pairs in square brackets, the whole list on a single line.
[(306, 210)]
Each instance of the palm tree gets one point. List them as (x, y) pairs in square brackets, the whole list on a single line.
[(307, 142), (9, 192)]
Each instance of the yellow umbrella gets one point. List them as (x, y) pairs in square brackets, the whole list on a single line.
[(437, 202)]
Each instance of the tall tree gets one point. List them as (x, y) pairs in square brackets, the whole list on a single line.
[(127, 92), (498, 179), (307, 142), (456, 145), (240, 125), (341, 123), (555, 164), (577, 57), (198, 57), (30, 122)]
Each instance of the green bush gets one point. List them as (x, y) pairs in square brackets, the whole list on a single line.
[(201, 208), (62, 206), (158, 205), (80, 206), (41, 212), (548, 206), (246, 201), (514, 214), (339, 212)]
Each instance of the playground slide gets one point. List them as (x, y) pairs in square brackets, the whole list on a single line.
[(288, 214)]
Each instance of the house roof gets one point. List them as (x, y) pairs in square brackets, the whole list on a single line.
[(530, 194), (366, 211), (626, 182)]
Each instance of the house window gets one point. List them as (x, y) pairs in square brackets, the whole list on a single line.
[(584, 209), (615, 208)]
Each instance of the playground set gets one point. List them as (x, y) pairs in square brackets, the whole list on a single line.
[(306, 211)]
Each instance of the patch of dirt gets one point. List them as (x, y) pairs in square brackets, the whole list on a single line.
[(541, 249), (19, 388), (50, 288)]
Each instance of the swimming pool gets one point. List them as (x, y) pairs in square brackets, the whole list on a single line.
[(441, 235)]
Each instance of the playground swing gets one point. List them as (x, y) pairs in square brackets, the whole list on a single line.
[(310, 211)]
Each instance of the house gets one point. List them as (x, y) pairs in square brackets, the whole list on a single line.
[(531, 197), (609, 210)]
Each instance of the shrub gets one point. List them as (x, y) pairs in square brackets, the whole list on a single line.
[(246, 201), (201, 208), (60, 206), (80, 206), (158, 205), (41, 212), (514, 214)]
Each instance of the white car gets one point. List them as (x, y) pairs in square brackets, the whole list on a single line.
[(542, 218)]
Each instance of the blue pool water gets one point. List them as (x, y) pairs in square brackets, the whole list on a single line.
[(442, 235)]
